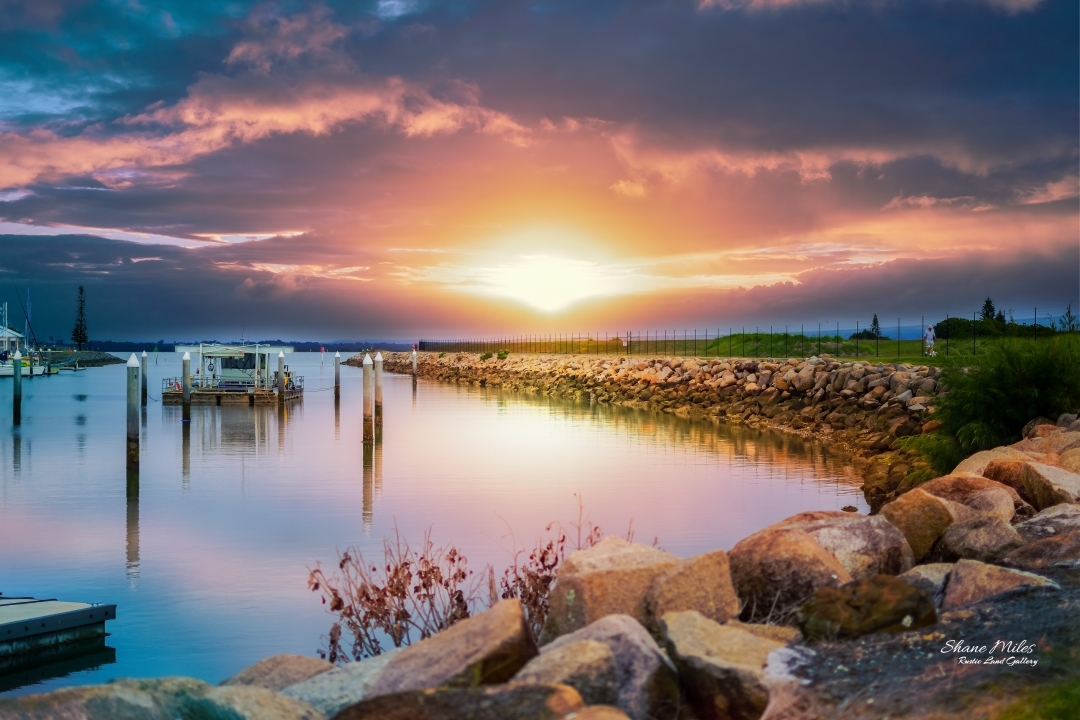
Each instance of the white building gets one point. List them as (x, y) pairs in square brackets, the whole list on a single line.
[(10, 341)]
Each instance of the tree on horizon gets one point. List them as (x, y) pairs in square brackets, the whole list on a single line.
[(988, 310), (875, 327), (78, 333)]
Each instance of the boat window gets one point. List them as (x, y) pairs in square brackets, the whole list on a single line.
[(246, 362)]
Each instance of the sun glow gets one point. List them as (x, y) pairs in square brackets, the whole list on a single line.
[(548, 283)]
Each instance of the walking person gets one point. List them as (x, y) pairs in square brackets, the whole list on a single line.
[(928, 341)]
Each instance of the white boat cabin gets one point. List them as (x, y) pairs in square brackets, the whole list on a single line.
[(234, 367)]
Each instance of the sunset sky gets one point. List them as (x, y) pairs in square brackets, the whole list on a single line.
[(431, 168)]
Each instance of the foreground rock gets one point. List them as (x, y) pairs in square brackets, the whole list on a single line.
[(929, 578), (158, 699), (336, 689), (647, 684), (972, 581), (702, 583), (1056, 551), (280, 671), (494, 702), (720, 667), (483, 650), (1048, 485), (880, 603), (1051, 521), (610, 578), (987, 538), (777, 569), (921, 517), (977, 494), (587, 666)]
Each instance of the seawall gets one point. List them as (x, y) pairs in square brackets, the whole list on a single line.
[(859, 407)]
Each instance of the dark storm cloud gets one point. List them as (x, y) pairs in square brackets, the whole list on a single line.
[(666, 127)]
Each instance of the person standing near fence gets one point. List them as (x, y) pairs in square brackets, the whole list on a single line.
[(928, 341)]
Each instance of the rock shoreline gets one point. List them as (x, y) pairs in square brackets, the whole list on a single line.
[(859, 407)]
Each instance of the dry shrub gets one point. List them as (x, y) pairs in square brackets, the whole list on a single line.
[(415, 594)]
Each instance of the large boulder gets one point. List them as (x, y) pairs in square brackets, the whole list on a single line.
[(880, 603), (158, 699), (279, 671), (1048, 485), (1061, 550), (987, 538), (930, 578), (648, 685), (609, 578), (493, 702), (1061, 442), (336, 689), (864, 545), (1070, 460), (921, 517), (702, 583), (587, 666), (1009, 472), (1051, 521), (777, 569), (485, 649), (977, 463), (721, 667), (976, 493), (972, 581)]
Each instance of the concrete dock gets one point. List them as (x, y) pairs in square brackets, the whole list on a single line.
[(28, 625)]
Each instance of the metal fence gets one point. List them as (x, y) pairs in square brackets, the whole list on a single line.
[(954, 335)]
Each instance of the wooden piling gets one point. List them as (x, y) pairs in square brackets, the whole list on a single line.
[(133, 413), (337, 375), (414, 362), (143, 381), (369, 401), (378, 389), (16, 388), (369, 485)]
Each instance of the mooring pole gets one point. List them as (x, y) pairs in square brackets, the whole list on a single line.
[(185, 366), (369, 401), (378, 389), (337, 375), (281, 377), (133, 413), (414, 362), (16, 388), (143, 364)]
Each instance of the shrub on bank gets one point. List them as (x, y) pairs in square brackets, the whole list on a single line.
[(987, 404)]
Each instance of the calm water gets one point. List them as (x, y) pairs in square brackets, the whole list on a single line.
[(209, 567)]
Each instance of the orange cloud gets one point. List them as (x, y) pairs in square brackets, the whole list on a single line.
[(220, 111)]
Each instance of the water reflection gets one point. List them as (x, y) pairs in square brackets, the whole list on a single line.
[(132, 527), (239, 501)]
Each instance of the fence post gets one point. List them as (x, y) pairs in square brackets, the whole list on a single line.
[(897, 338), (948, 332), (974, 349), (856, 339)]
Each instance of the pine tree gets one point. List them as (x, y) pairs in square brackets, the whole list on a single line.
[(78, 333), (875, 327), (988, 310)]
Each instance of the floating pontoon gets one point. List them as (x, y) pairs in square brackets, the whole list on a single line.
[(226, 374)]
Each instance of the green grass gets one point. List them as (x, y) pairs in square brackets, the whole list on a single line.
[(1057, 702)]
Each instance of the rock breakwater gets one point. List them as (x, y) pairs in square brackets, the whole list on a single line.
[(861, 407)]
